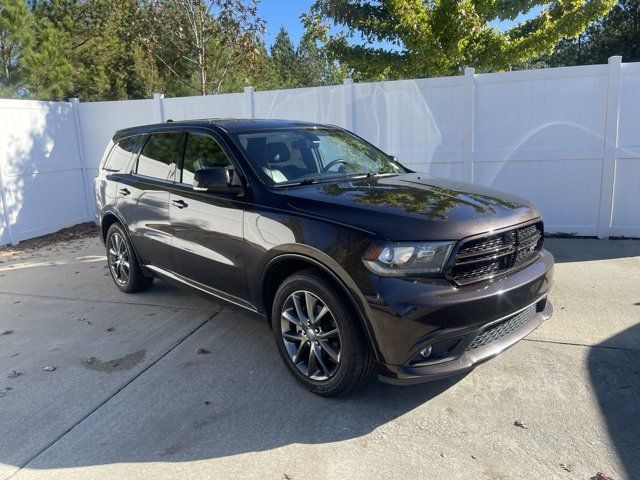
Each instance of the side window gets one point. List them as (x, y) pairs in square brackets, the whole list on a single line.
[(121, 154), (160, 155), (202, 151)]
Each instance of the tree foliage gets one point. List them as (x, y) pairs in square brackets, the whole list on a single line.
[(618, 33), (204, 42), (409, 38), (120, 49), (306, 65), (15, 24)]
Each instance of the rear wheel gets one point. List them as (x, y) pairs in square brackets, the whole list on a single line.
[(123, 264), (318, 337)]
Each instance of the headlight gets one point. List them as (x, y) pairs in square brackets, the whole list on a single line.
[(406, 259)]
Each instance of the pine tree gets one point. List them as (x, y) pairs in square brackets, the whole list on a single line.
[(284, 61), (15, 22)]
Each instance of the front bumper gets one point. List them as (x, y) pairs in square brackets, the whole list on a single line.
[(468, 359), (464, 326)]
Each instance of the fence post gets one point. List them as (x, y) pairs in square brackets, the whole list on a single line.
[(349, 113), (5, 210), (610, 146), (158, 107), (249, 107), (75, 104), (468, 124)]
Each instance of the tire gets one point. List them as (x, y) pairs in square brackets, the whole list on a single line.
[(120, 253), (340, 361)]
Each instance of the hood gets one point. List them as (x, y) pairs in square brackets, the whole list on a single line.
[(412, 206)]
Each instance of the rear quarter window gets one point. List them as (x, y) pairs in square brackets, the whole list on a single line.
[(121, 154)]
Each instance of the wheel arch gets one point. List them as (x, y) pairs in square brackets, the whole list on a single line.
[(286, 264), (110, 217)]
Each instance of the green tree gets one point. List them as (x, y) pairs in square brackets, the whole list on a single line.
[(15, 24), (412, 38), (285, 62), (49, 72), (71, 51), (203, 44), (288, 66), (618, 33), (316, 63), (92, 49)]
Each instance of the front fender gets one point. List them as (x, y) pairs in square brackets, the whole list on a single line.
[(273, 236), (333, 270)]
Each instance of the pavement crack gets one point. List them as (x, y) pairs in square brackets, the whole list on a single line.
[(574, 344), (97, 300), (152, 363)]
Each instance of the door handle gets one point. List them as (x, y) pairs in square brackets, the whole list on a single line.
[(180, 203), (124, 191)]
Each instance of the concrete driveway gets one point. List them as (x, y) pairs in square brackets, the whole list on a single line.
[(131, 397)]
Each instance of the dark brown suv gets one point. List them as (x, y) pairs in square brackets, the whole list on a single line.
[(357, 263)]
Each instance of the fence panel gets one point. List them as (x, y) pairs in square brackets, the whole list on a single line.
[(209, 106), (418, 121), (626, 199), (320, 104), (566, 138), (541, 135), (43, 185)]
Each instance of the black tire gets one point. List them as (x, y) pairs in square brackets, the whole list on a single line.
[(134, 280), (355, 363)]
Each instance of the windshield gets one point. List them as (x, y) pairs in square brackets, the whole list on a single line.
[(306, 155)]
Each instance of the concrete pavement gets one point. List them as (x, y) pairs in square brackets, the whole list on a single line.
[(131, 398)]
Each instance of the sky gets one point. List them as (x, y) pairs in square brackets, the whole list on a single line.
[(287, 13), (283, 12)]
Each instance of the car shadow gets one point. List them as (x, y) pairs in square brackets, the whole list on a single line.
[(615, 379)]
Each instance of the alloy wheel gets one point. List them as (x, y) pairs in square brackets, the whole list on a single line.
[(311, 335), (119, 259)]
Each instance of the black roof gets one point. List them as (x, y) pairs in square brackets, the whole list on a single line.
[(231, 125)]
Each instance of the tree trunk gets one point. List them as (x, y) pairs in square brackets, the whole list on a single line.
[(202, 64)]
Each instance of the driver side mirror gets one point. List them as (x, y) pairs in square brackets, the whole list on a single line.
[(215, 179)]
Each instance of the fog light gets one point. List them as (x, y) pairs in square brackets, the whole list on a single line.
[(425, 352)]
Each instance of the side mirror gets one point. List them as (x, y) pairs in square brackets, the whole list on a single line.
[(215, 179)]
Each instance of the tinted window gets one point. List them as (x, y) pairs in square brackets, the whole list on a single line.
[(121, 154), (202, 151), (160, 155)]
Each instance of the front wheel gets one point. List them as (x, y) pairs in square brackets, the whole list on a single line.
[(319, 339), (123, 263)]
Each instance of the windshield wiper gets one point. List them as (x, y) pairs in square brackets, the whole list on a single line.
[(306, 181), (309, 181)]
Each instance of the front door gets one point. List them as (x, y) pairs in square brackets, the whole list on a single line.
[(208, 243)]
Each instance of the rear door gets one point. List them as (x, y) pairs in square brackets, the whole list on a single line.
[(143, 197), (116, 161), (208, 244)]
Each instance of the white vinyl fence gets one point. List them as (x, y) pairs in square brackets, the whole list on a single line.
[(566, 138)]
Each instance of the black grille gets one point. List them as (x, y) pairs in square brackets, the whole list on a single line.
[(501, 329), (491, 255)]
